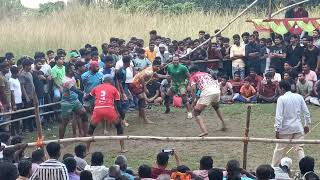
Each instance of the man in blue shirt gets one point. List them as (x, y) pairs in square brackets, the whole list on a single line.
[(91, 79)]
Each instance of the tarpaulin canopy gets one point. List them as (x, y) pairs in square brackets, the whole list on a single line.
[(283, 26)]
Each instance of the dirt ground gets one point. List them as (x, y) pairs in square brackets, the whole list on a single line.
[(176, 124)]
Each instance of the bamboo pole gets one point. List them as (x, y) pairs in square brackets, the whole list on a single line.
[(288, 7), (222, 29), (246, 135), (270, 9), (28, 109), (27, 117), (180, 139)]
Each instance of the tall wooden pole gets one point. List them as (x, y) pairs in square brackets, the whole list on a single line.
[(246, 136), (270, 9)]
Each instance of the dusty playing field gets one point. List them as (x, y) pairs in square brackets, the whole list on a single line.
[(176, 124)]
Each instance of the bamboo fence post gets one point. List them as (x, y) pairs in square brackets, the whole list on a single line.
[(37, 114), (246, 136)]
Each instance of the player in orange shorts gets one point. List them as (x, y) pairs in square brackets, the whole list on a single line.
[(107, 98)]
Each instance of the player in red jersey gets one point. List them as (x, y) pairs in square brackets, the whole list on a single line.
[(210, 95), (107, 98)]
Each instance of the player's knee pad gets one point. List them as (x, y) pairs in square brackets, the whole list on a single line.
[(142, 103), (196, 112), (119, 128), (215, 106), (91, 129)]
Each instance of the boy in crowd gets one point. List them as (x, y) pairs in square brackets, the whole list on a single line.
[(58, 73), (304, 87), (253, 78), (247, 93)]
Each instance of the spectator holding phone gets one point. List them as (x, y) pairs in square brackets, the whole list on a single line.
[(162, 163)]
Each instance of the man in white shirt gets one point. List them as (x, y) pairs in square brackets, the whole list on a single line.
[(288, 124), (163, 54)]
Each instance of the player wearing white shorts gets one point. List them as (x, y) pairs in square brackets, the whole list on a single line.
[(210, 95)]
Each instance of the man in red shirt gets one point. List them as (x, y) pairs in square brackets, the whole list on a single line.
[(107, 98), (268, 91), (253, 78)]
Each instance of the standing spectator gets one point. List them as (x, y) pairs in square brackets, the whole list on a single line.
[(309, 74), (52, 168), (162, 53), (150, 52), (5, 93), (247, 93), (58, 73), (253, 78), (316, 38), (140, 62), (287, 124), (17, 103), (268, 91), (98, 170), (237, 54), (27, 88), (283, 171), (199, 54), (225, 52), (295, 52), (80, 153), (51, 60), (304, 87), (24, 168), (37, 158), (39, 81), (71, 166), (245, 38), (213, 54), (252, 52), (278, 54), (206, 163), (312, 55)]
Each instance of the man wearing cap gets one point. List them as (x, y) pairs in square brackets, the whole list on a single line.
[(288, 125), (74, 56), (163, 54), (283, 171), (91, 79), (107, 99)]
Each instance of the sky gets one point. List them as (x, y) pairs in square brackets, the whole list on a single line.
[(34, 4)]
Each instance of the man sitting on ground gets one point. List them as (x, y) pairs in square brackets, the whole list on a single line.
[(253, 78), (247, 93), (268, 91), (122, 162), (226, 91), (283, 171), (98, 170), (275, 76), (80, 153), (206, 163), (162, 163), (304, 87), (309, 74)]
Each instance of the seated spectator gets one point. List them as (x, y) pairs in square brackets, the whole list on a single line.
[(8, 171), (265, 172), (67, 156), (154, 95), (283, 171), (247, 93), (253, 78), (162, 163), (306, 165), (311, 176), (215, 174), (309, 74), (114, 173), (235, 172), (80, 153), (226, 91), (51, 168), (304, 87), (71, 165), (164, 177), (37, 158), (316, 100), (206, 163), (236, 83), (123, 163), (24, 168), (4, 138), (86, 175), (183, 173), (288, 78), (144, 172), (275, 76), (290, 70), (97, 168), (14, 153), (268, 91)]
